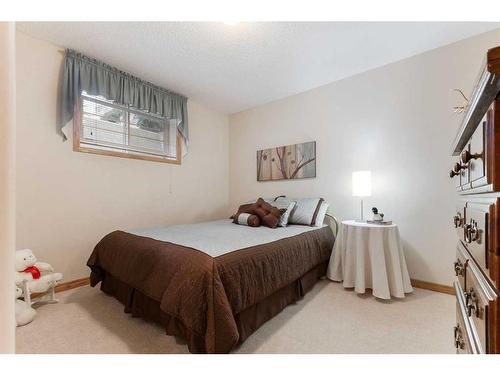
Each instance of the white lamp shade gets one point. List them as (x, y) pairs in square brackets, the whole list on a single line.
[(361, 184)]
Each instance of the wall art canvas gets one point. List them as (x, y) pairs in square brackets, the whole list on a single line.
[(287, 162)]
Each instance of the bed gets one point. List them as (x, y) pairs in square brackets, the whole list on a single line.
[(211, 283)]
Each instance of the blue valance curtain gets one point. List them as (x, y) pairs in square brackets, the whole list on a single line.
[(82, 73)]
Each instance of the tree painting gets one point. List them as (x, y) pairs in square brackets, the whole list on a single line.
[(287, 162)]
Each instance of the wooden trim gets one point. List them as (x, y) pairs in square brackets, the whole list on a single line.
[(62, 287), (440, 288), (493, 60), (73, 284), (77, 118), (96, 151)]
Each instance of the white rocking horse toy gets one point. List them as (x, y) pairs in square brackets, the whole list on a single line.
[(35, 277)]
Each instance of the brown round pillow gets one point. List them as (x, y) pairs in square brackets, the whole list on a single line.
[(268, 214)]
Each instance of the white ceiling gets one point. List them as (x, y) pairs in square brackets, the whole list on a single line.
[(233, 68)]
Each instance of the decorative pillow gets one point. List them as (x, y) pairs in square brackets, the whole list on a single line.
[(287, 206), (247, 219), (268, 214), (320, 218), (305, 210), (247, 208)]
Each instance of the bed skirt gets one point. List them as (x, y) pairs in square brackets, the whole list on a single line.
[(247, 321)]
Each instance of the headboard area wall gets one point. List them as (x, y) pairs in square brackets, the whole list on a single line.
[(396, 121)]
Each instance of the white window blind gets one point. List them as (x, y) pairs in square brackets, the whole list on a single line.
[(110, 126)]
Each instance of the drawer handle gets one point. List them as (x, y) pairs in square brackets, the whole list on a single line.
[(466, 156), (458, 167), (457, 220), (471, 303), (459, 268), (472, 232), (459, 343)]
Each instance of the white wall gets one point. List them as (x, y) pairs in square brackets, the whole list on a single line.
[(7, 186), (396, 121), (67, 201)]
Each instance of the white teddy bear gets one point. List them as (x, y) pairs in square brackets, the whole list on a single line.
[(24, 313), (33, 276)]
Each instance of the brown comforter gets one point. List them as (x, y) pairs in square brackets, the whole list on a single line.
[(202, 294)]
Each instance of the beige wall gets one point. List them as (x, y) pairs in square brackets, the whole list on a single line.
[(396, 121), (7, 185), (67, 201)]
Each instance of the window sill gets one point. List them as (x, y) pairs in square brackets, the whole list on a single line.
[(79, 146), (127, 155)]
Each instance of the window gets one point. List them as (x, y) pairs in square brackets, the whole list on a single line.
[(104, 127)]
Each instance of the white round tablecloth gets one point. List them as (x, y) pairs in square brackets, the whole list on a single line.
[(370, 256)]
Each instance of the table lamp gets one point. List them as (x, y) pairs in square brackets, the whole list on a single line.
[(361, 186)]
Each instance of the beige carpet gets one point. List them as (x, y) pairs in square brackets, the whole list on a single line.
[(329, 319)]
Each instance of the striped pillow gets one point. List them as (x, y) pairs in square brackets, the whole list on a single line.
[(305, 210), (247, 219), (320, 218)]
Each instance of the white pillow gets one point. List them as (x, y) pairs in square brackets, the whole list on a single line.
[(305, 210), (320, 217), (288, 205)]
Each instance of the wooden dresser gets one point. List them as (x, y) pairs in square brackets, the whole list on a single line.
[(477, 217)]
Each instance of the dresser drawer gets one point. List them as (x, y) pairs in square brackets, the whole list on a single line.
[(463, 335), (479, 166), (476, 232), (479, 298)]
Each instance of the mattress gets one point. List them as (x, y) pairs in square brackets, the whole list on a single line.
[(220, 237)]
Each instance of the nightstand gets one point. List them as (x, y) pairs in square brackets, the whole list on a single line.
[(370, 256)]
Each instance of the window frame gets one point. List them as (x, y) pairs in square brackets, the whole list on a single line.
[(108, 151)]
